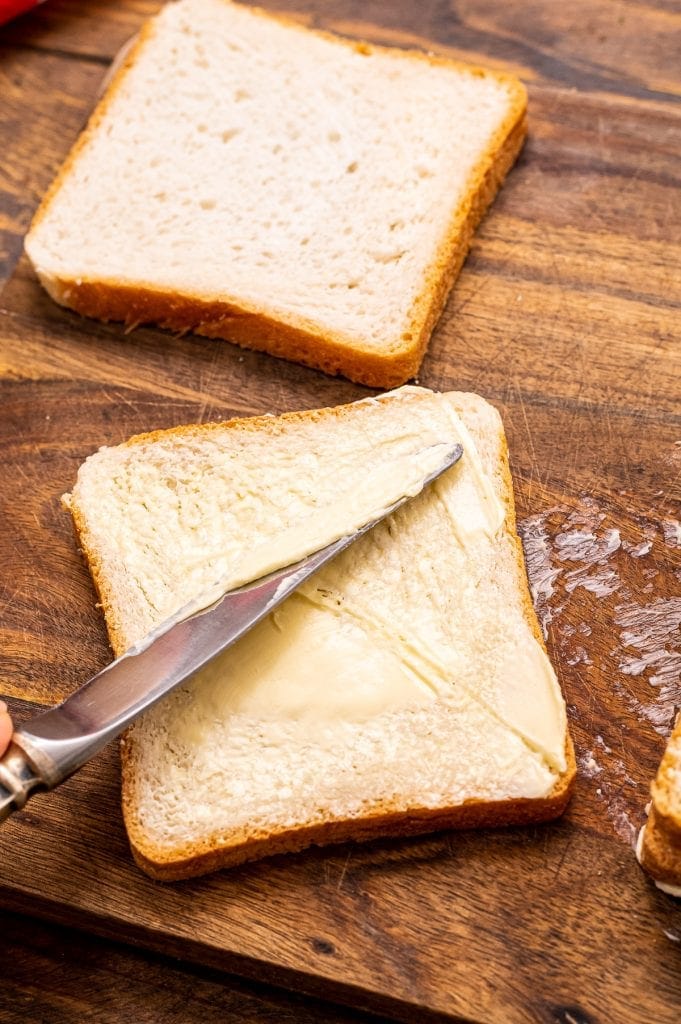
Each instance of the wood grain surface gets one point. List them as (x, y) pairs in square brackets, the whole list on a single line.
[(567, 317), (58, 975)]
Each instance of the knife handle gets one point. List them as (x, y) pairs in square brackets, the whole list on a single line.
[(18, 780)]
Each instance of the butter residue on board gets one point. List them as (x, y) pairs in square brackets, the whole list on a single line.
[(594, 573)]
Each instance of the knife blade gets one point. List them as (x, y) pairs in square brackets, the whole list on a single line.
[(50, 747)]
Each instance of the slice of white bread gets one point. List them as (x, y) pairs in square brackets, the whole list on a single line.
[(404, 688), (294, 192), (659, 845)]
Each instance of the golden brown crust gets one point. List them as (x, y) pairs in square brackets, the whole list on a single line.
[(384, 823), (661, 851), (666, 787), (202, 856), (102, 586), (292, 338), (487, 179), (287, 336), (661, 846)]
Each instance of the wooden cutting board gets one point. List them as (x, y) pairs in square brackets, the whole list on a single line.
[(566, 316)]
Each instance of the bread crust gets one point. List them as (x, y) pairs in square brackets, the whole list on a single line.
[(661, 846), (666, 787), (200, 859), (285, 334), (660, 851), (202, 856)]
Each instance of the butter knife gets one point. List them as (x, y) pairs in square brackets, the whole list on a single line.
[(50, 747)]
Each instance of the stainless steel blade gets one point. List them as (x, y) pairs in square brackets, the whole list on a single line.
[(59, 741)]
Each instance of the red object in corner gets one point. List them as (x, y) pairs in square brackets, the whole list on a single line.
[(10, 8)]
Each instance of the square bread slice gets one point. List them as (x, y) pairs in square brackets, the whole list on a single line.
[(659, 844), (310, 196), (404, 688)]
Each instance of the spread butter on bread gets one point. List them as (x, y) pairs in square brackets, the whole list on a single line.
[(404, 688)]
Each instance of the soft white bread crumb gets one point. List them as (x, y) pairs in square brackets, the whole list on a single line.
[(410, 683), (253, 168)]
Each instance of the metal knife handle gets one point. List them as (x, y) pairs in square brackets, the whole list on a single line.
[(34, 761), (19, 779)]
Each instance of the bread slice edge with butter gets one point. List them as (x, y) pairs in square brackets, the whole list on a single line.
[(414, 743), (301, 330)]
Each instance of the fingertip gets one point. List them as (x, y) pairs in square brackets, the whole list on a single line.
[(5, 729)]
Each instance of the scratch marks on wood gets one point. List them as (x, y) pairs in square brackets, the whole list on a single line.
[(601, 579), (344, 870), (561, 862), (535, 472), (209, 375), (117, 398), (612, 783)]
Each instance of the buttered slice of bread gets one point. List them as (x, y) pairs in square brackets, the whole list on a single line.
[(294, 192), (405, 687), (659, 845)]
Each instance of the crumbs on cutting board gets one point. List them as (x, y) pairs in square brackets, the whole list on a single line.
[(594, 577)]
